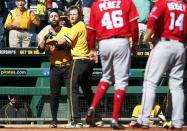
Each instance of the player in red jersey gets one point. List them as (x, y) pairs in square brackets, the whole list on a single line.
[(168, 21), (112, 22)]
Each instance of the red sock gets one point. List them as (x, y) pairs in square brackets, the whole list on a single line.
[(100, 92), (118, 101)]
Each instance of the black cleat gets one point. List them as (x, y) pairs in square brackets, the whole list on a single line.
[(175, 128), (1, 126), (137, 125), (116, 126), (90, 117), (53, 124)]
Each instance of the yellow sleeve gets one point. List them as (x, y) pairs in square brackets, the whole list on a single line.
[(74, 33), (63, 31), (8, 20)]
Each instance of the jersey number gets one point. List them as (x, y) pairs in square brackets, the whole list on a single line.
[(176, 22), (115, 21)]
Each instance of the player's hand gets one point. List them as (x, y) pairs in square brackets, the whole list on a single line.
[(93, 56), (134, 50)]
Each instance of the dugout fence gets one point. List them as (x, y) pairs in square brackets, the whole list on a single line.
[(25, 72)]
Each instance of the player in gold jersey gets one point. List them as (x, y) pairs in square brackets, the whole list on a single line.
[(60, 59)]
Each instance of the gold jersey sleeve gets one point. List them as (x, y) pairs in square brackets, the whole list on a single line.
[(77, 37), (58, 56)]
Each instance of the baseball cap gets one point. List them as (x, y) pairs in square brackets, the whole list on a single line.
[(59, 12), (63, 16)]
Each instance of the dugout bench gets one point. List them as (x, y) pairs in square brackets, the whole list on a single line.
[(24, 66)]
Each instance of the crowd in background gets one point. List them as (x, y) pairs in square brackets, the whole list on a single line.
[(42, 8)]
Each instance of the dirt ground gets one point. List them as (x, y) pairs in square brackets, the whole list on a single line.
[(82, 129), (60, 128)]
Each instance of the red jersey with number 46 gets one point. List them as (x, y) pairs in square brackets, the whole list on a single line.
[(111, 18), (169, 18)]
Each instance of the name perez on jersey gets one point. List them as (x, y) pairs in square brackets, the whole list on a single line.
[(109, 5), (176, 6)]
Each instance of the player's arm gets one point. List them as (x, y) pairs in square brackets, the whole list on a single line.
[(41, 44), (64, 40), (91, 33), (91, 38), (42, 38), (147, 36), (133, 23), (91, 44), (69, 37), (151, 24), (134, 33), (156, 13), (35, 19), (185, 30), (10, 24)]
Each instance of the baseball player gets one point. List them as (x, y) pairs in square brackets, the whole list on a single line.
[(112, 25), (81, 67), (60, 59), (168, 22)]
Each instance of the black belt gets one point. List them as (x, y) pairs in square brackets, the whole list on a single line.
[(61, 65), (19, 29), (118, 37)]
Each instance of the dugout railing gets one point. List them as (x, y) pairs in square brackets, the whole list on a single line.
[(28, 66)]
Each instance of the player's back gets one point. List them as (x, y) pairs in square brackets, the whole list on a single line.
[(110, 18), (172, 23)]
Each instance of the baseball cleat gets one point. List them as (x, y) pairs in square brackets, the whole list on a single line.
[(98, 123), (1, 126), (116, 126), (73, 125), (53, 124), (90, 117), (167, 124), (137, 125)]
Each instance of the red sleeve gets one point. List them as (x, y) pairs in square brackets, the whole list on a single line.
[(156, 12), (91, 28), (151, 23), (91, 23), (134, 31), (185, 23), (91, 39), (133, 13)]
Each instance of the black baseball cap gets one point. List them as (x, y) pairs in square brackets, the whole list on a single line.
[(59, 12)]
